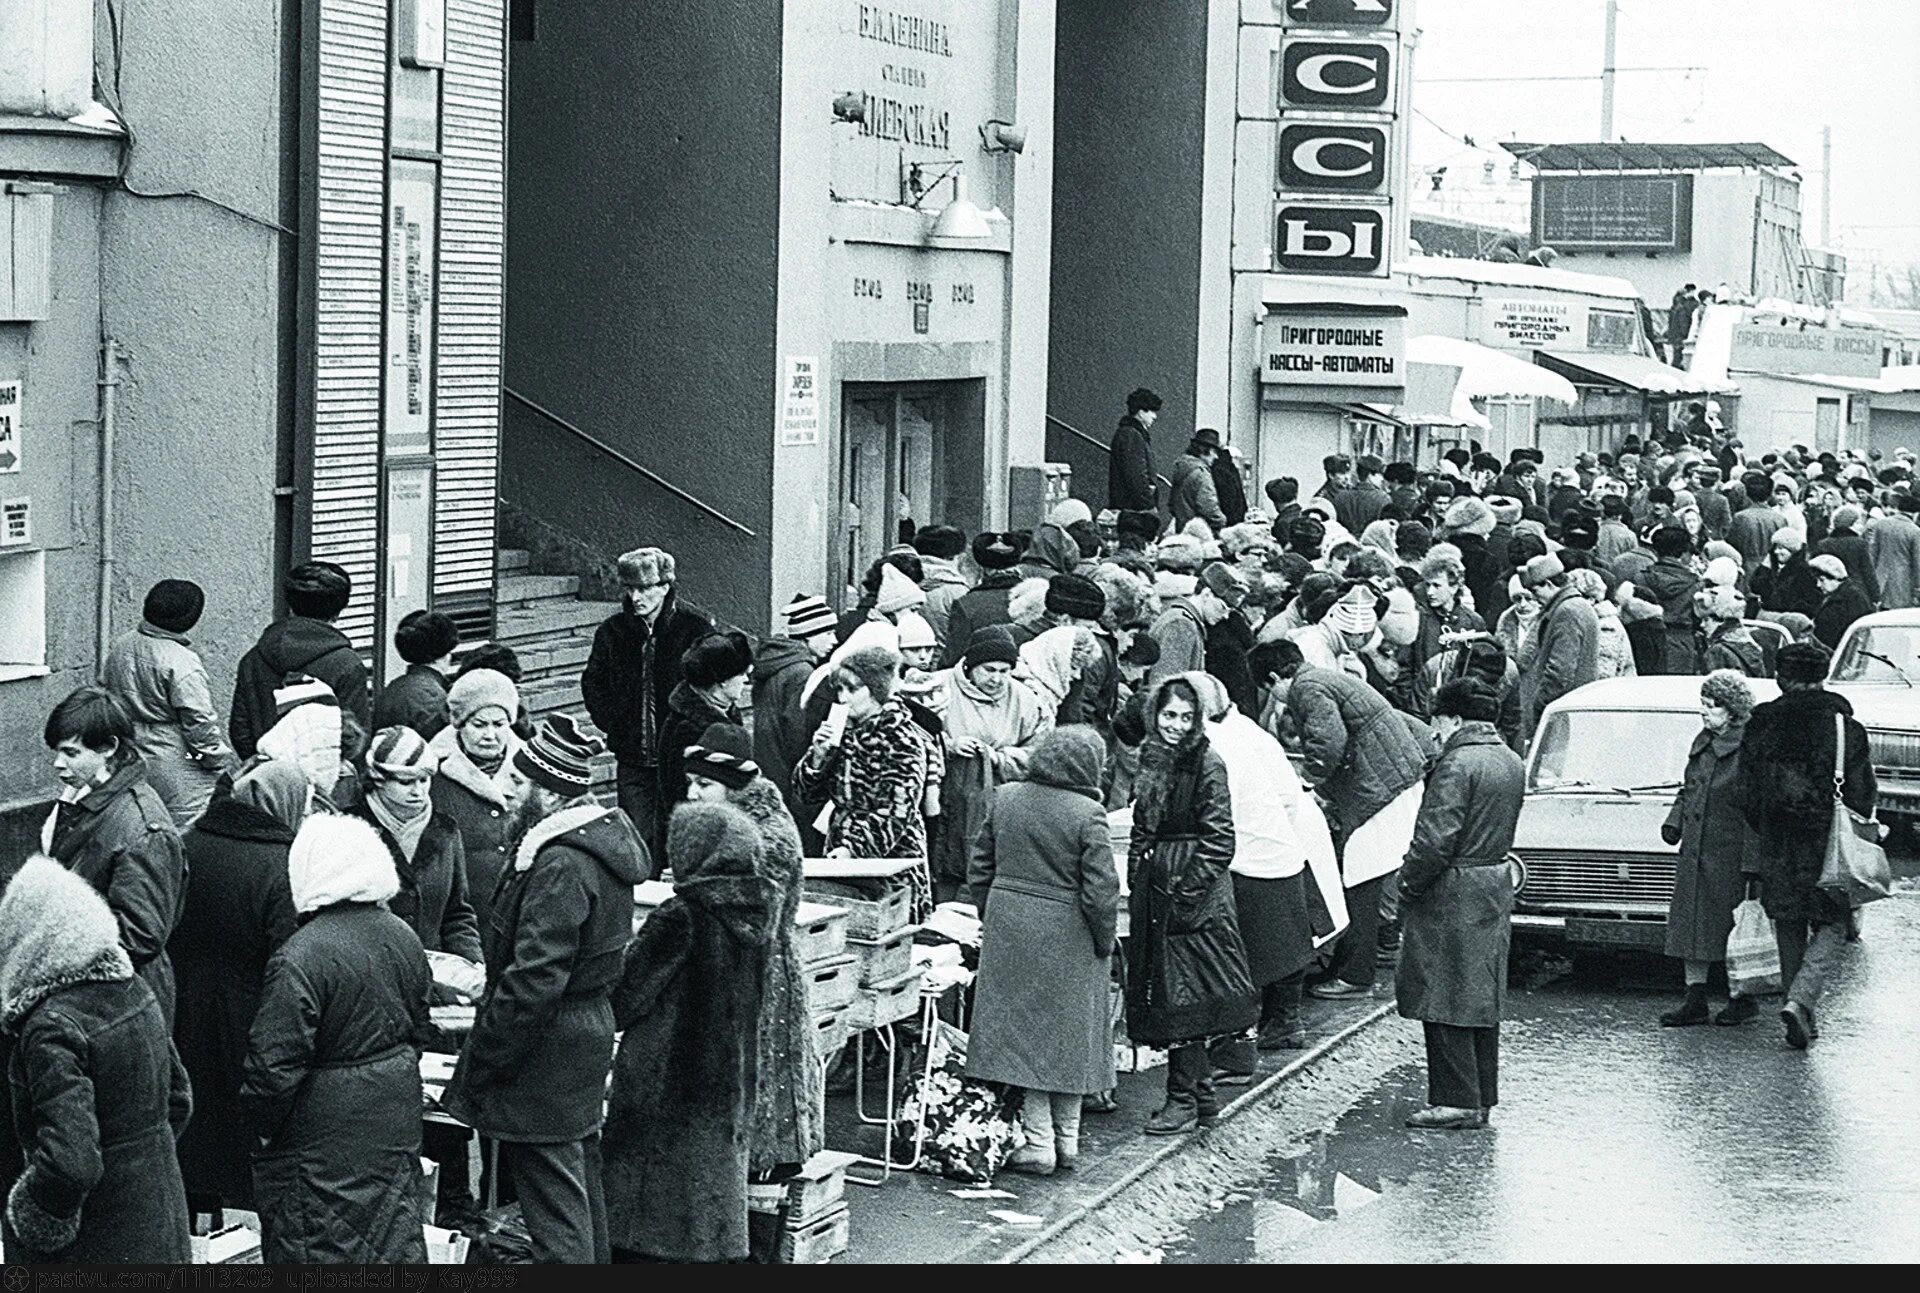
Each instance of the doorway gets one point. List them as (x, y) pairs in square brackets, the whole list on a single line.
[(909, 457)]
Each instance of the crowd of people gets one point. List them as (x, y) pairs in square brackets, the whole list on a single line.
[(218, 980)]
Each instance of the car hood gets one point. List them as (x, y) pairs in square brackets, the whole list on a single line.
[(1573, 821), (1883, 705)]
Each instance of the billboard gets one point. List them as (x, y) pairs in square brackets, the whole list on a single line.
[(1613, 212)]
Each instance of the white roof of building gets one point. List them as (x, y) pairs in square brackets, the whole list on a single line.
[(1509, 274), (1487, 372)]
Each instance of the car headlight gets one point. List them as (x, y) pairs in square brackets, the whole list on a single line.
[(1518, 870)]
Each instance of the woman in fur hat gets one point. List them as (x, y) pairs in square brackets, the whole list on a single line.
[(713, 683)]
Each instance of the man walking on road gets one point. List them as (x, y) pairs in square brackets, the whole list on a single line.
[(1130, 478)]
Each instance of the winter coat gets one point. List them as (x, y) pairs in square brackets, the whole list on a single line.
[(416, 699), (1615, 643), (236, 913), (1893, 542), (1130, 477), (688, 714), (332, 1090), (1095, 694), (984, 604), (1187, 973), (875, 777), (485, 810), (433, 887), (161, 680), (1229, 642), (780, 732), (1786, 761), (680, 1109), (534, 1069), (1229, 488), (1566, 655), (1716, 514), (1670, 584), (1731, 645), (1716, 847), (294, 645), (1008, 724), (1853, 554), (1838, 610), (1043, 878), (1193, 493), (633, 662), (1359, 505), (787, 1106), (1485, 579), (1456, 890), (120, 839), (1359, 753), (1182, 637), (95, 1091), (1751, 532), (1788, 587), (1616, 541)]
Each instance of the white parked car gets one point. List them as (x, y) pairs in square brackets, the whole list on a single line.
[(1877, 668)]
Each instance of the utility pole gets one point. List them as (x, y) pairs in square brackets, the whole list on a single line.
[(1607, 70), (1826, 188)]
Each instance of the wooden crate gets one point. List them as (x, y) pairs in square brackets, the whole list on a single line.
[(831, 985), (869, 916), (817, 1189), (885, 1003), (820, 1241), (831, 1031), (819, 932), (884, 959)]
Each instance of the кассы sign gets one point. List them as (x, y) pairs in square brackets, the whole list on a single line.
[(1331, 157), (1331, 345), (1330, 239)]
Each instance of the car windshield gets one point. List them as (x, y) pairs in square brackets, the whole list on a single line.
[(1612, 749), (1880, 654)]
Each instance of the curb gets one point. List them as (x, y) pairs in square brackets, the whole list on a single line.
[(1174, 1145)]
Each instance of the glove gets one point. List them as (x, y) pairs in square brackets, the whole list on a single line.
[(1670, 833)]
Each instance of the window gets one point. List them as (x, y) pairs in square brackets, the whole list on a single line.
[(23, 615)]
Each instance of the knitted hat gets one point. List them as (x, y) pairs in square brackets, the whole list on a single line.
[(994, 551), (1789, 538), (1225, 582), (724, 754), (915, 632), (1075, 596), (897, 592), (482, 689), (1847, 517), (298, 689), (1069, 513), (1466, 698), (877, 667), (399, 749), (174, 605), (807, 616), (1353, 612), (1469, 516), (1801, 662), (1540, 570), (559, 757), (1400, 626), (991, 644), (1828, 564)]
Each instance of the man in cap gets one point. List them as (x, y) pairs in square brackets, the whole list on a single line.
[(1752, 527), (1339, 470), (1566, 651), (160, 678), (1193, 494), (1131, 483), (533, 1074), (1181, 629), (780, 671), (418, 698), (305, 642), (997, 555), (1841, 600), (633, 669), (1716, 514)]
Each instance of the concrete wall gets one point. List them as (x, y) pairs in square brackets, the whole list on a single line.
[(644, 190)]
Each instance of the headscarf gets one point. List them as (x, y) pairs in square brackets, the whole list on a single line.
[(278, 789)]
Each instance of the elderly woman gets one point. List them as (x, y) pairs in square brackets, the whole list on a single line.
[(476, 787), (992, 722), (1043, 878), (787, 1097), (1716, 849), (1187, 980)]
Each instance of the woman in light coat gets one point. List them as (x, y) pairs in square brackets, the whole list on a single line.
[(992, 721), (162, 681)]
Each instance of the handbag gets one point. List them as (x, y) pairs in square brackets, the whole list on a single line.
[(1753, 954), (1856, 867)]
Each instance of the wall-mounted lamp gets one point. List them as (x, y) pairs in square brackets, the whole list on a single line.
[(997, 136), (850, 108), (962, 218)]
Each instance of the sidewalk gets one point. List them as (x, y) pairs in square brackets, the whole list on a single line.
[(915, 1217)]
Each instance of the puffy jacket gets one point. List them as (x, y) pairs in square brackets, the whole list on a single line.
[(1671, 585), (1359, 753), (333, 1090), (295, 645), (416, 699), (780, 733), (621, 664)]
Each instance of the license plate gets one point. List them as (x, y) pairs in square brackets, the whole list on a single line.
[(1617, 933)]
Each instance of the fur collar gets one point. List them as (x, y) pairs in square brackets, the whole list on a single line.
[(552, 828), (108, 965), (502, 789), (55, 931)]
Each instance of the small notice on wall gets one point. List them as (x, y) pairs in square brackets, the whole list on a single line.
[(1534, 325), (9, 427), (800, 402)]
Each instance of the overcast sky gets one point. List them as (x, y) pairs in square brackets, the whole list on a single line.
[(1775, 71)]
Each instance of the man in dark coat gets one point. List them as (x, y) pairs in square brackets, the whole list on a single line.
[(1566, 645), (1456, 895), (534, 1072), (1339, 470), (1131, 483), (632, 670), (1229, 488), (1716, 514), (1191, 476), (1360, 504), (1845, 542), (1893, 541), (418, 697), (1670, 583), (305, 642), (996, 554), (1752, 529), (1841, 601), (1785, 582), (1468, 523), (1788, 761), (1284, 493), (780, 672)]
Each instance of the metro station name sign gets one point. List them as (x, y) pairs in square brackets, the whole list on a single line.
[(1334, 154)]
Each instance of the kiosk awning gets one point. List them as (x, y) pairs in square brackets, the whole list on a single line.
[(1629, 372)]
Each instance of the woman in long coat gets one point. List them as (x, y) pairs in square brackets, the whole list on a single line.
[(95, 1092), (1187, 979), (681, 1103), (332, 1085), (237, 913), (787, 1105), (1716, 861), (1456, 895), (1044, 881)]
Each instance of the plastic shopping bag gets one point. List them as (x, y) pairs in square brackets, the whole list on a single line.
[(1753, 956)]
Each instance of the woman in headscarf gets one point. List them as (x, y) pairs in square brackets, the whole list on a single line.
[(236, 913), (476, 787), (96, 1093), (1043, 879), (992, 722), (1187, 979), (332, 1087), (787, 1097)]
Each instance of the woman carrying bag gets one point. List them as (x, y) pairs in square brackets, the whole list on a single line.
[(1717, 863)]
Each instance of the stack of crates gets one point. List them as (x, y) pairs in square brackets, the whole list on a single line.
[(881, 937), (818, 1225), (832, 972)]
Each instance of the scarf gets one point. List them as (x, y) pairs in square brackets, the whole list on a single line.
[(1178, 820), (405, 833)]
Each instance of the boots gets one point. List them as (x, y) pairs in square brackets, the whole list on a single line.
[(1799, 1023), (1739, 1010), (1280, 1017), (1190, 1096), (1234, 1061), (1691, 1011), (1037, 1155)]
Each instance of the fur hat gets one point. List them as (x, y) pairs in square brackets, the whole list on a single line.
[(1722, 602), (1068, 513), (1224, 582), (724, 754), (1075, 596), (425, 636), (1828, 564), (318, 589), (1469, 516), (174, 605), (1505, 510), (482, 689), (1400, 626), (720, 656), (1729, 690), (897, 592), (1541, 570), (878, 667), (1670, 541), (1142, 525), (1724, 571), (336, 858), (1804, 663), (1182, 553), (994, 551), (1579, 530), (1847, 517), (1466, 698), (1789, 538)]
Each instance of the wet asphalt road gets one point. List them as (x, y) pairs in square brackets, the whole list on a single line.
[(1619, 1140)]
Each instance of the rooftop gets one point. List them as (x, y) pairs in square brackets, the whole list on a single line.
[(1645, 157)]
